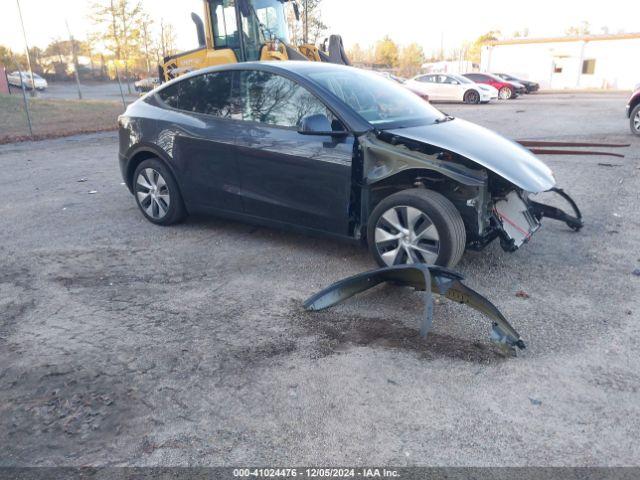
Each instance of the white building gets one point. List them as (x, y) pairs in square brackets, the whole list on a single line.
[(590, 61), (450, 66)]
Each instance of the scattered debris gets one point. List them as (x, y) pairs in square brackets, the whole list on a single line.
[(628, 312), (391, 382), (92, 192), (611, 232), (535, 401), (609, 164), (82, 180), (522, 294), (636, 272)]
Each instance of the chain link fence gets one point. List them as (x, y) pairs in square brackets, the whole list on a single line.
[(71, 98)]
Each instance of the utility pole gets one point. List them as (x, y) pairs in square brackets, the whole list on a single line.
[(24, 98), (26, 45), (306, 22), (75, 60)]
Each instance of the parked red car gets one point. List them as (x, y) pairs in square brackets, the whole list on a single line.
[(633, 111), (506, 90)]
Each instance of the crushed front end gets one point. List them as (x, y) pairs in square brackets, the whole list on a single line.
[(492, 181)]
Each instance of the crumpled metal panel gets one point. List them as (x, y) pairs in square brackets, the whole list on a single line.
[(508, 159)]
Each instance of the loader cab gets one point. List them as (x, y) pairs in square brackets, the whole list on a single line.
[(247, 26)]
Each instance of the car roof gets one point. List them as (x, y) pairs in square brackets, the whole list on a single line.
[(299, 69), (293, 66)]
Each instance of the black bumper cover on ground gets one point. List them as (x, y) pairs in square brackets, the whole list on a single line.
[(440, 281)]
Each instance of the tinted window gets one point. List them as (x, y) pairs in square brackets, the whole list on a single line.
[(210, 94), (169, 95), (273, 99)]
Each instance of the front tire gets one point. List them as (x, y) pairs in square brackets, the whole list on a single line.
[(416, 226), (634, 120), (505, 93), (157, 193), (472, 97)]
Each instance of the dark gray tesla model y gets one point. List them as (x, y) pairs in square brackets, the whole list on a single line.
[(331, 149)]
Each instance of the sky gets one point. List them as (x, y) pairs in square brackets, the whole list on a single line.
[(428, 23)]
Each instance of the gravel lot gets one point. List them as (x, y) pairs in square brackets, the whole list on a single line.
[(122, 343)]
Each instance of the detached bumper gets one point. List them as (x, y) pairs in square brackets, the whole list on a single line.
[(428, 279)]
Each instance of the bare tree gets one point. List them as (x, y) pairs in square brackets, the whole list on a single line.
[(310, 27), (145, 25), (118, 21)]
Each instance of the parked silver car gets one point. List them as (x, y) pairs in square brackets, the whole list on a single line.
[(30, 83)]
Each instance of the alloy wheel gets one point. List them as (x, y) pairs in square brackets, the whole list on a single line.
[(473, 97), (406, 235), (636, 121), (505, 93), (153, 193)]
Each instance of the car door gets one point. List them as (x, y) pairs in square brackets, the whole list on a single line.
[(286, 176), (432, 87), (449, 88), (202, 131)]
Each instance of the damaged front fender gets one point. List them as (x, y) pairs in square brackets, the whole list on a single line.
[(428, 279)]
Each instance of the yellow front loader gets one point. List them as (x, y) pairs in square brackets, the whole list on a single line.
[(243, 31)]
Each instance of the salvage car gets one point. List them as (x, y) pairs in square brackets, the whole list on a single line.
[(507, 90), (332, 149), (453, 88), (530, 87), (633, 111)]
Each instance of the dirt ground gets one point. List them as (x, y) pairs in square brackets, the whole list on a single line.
[(123, 343)]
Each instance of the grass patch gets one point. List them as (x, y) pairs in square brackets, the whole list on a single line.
[(54, 118)]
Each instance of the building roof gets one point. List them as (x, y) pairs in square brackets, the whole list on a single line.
[(579, 38)]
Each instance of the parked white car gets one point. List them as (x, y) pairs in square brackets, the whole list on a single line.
[(452, 88), (146, 84), (37, 82)]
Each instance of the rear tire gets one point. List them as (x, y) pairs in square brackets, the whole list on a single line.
[(634, 120), (428, 229), (157, 193)]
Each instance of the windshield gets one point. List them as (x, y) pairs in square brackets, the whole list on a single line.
[(269, 17), (382, 103), (461, 79)]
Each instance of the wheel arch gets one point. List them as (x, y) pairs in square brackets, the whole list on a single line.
[(139, 154), (404, 180), (633, 103)]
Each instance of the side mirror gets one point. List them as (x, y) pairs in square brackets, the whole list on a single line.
[(296, 11), (318, 124), (199, 29)]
